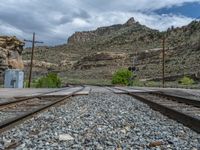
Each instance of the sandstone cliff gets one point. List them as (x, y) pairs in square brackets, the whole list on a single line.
[(10, 54)]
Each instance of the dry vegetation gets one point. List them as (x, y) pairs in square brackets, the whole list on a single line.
[(87, 56)]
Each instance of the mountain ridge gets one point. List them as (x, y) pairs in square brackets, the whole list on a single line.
[(85, 36), (79, 57)]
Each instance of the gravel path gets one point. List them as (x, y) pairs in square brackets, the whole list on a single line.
[(101, 120)]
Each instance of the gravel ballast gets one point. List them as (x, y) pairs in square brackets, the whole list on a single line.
[(101, 120)]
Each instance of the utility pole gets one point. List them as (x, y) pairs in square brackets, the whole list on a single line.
[(163, 62), (32, 55)]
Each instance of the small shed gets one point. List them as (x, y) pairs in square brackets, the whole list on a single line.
[(14, 78)]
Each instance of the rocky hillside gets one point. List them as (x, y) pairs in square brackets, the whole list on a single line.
[(129, 36), (10, 54), (94, 55)]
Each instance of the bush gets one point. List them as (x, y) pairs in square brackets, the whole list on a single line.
[(49, 81), (186, 81), (123, 77)]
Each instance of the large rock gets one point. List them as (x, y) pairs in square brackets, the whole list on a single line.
[(10, 54), (81, 37), (11, 43)]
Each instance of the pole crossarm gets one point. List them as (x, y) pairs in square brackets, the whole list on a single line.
[(32, 41)]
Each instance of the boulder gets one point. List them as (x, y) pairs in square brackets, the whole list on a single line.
[(10, 54)]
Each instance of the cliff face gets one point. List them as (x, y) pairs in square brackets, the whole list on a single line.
[(81, 37), (89, 36), (10, 54)]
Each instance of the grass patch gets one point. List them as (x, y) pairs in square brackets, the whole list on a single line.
[(33, 84)]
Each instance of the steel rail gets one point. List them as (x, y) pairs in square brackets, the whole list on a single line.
[(4, 104), (177, 98), (10, 122), (187, 120)]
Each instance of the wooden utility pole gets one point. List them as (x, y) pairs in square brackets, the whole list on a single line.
[(163, 62), (32, 55)]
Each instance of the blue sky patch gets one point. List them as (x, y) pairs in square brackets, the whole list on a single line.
[(191, 10)]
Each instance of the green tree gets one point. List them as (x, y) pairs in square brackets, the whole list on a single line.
[(51, 80), (123, 77)]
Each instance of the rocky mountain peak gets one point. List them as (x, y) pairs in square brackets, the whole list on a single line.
[(102, 32), (130, 22)]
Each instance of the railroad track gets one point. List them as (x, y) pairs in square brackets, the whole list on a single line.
[(183, 110), (21, 99), (24, 108)]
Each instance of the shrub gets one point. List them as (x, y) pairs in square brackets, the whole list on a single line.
[(51, 80), (186, 81), (122, 77)]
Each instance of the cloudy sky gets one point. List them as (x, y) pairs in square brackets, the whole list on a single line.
[(55, 20)]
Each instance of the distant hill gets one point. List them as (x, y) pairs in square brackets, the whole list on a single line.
[(95, 55), (131, 35)]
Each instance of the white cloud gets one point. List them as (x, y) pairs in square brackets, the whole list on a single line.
[(7, 29), (78, 22), (162, 22), (133, 5), (152, 20), (54, 21)]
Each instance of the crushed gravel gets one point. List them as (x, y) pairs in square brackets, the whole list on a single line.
[(101, 120)]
